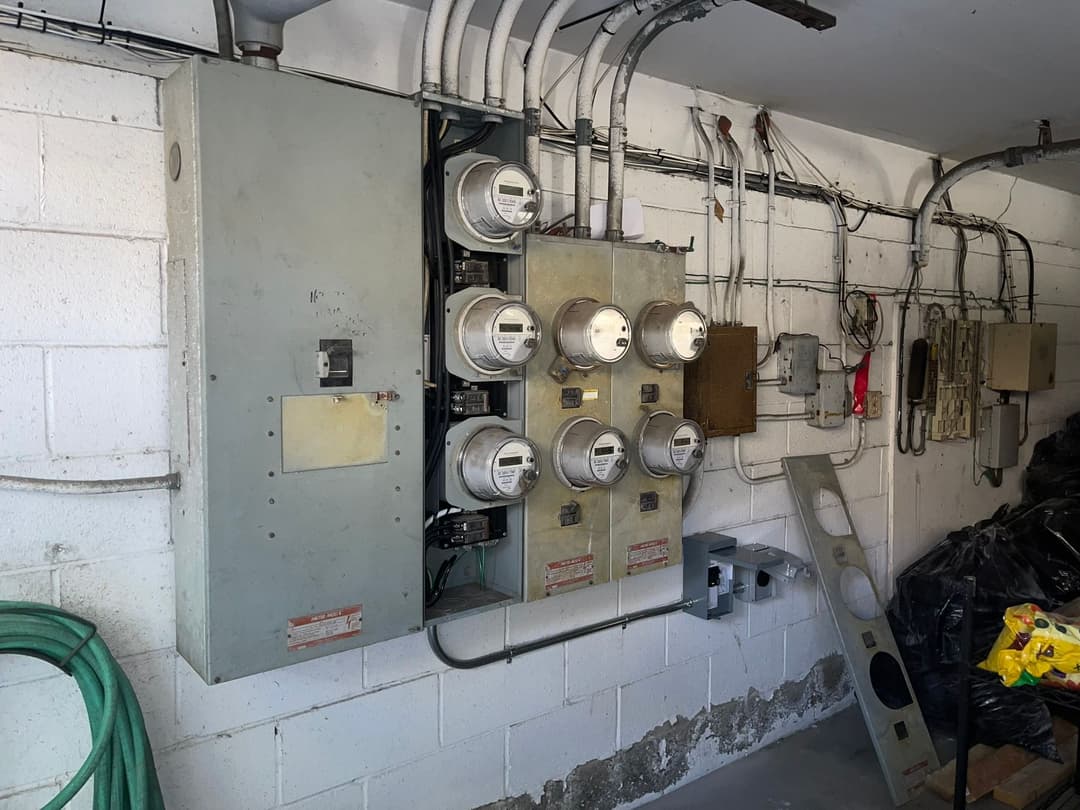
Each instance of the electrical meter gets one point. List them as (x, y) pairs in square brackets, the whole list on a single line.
[(587, 453), (668, 445), (588, 333), (496, 199), (496, 332), (670, 333), (496, 464)]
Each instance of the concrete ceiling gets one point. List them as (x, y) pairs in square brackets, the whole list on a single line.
[(955, 77)]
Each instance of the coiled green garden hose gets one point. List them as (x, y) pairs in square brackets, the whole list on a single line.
[(120, 758)]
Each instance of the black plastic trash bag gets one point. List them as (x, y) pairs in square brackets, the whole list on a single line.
[(1054, 471), (926, 613)]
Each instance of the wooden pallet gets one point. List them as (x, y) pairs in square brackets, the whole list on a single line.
[(1016, 777)]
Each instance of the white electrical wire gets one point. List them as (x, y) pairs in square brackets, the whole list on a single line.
[(449, 510), (856, 453)]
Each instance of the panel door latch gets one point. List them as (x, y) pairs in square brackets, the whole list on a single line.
[(334, 363)]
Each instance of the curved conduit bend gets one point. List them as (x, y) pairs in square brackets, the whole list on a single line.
[(434, 36), (534, 73), (1010, 158), (685, 11), (496, 51)]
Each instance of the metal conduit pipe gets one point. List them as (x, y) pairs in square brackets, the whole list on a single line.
[(685, 11), (534, 73), (1010, 158), (586, 89), (434, 35), (451, 53), (496, 51), (710, 202)]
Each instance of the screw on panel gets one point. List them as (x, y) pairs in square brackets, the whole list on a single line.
[(213, 377)]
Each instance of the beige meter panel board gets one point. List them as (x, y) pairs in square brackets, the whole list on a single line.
[(646, 511), (567, 530)]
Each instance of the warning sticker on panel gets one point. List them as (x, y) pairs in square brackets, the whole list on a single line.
[(651, 552), (572, 571), (319, 628)]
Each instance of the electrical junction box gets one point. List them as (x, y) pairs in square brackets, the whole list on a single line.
[(1023, 356), (830, 404), (720, 390), (797, 364), (999, 436), (298, 527)]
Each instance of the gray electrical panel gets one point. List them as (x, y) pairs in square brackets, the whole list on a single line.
[(999, 436), (295, 349)]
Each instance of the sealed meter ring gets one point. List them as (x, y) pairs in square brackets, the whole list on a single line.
[(669, 334), (588, 333), (496, 332), (587, 453), (668, 445), (496, 199), (496, 464)]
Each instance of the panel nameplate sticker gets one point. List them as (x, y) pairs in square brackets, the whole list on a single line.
[(319, 628), (564, 573), (643, 555)]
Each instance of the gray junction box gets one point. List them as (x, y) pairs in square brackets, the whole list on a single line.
[(295, 352)]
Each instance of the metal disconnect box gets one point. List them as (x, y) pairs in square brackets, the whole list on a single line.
[(295, 351), (1023, 356), (999, 436)]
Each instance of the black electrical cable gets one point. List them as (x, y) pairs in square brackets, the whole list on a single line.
[(469, 142), (223, 19), (509, 653)]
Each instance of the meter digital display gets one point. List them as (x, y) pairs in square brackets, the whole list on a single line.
[(668, 445), (587, 453), (496, 199), (496, 464), (496, 332)]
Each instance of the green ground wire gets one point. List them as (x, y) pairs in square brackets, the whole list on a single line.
[(120, 760)]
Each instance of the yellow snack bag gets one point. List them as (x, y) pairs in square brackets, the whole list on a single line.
[(1035, 644)]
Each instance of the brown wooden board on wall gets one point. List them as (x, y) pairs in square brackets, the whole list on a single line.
[(720, 389)]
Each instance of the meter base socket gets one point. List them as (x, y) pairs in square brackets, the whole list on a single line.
[(458, 230), (669, 335), (458, 362), (457, 494), (576, 340)]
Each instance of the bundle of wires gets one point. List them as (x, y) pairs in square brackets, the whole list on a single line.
[(120, 758)]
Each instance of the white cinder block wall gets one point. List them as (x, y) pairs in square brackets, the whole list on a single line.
[(82, 395)]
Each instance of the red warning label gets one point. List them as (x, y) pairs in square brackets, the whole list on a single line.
[(572, 571), (319, 628), (643, 555)]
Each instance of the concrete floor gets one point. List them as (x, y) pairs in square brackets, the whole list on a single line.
[(830, 766)]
